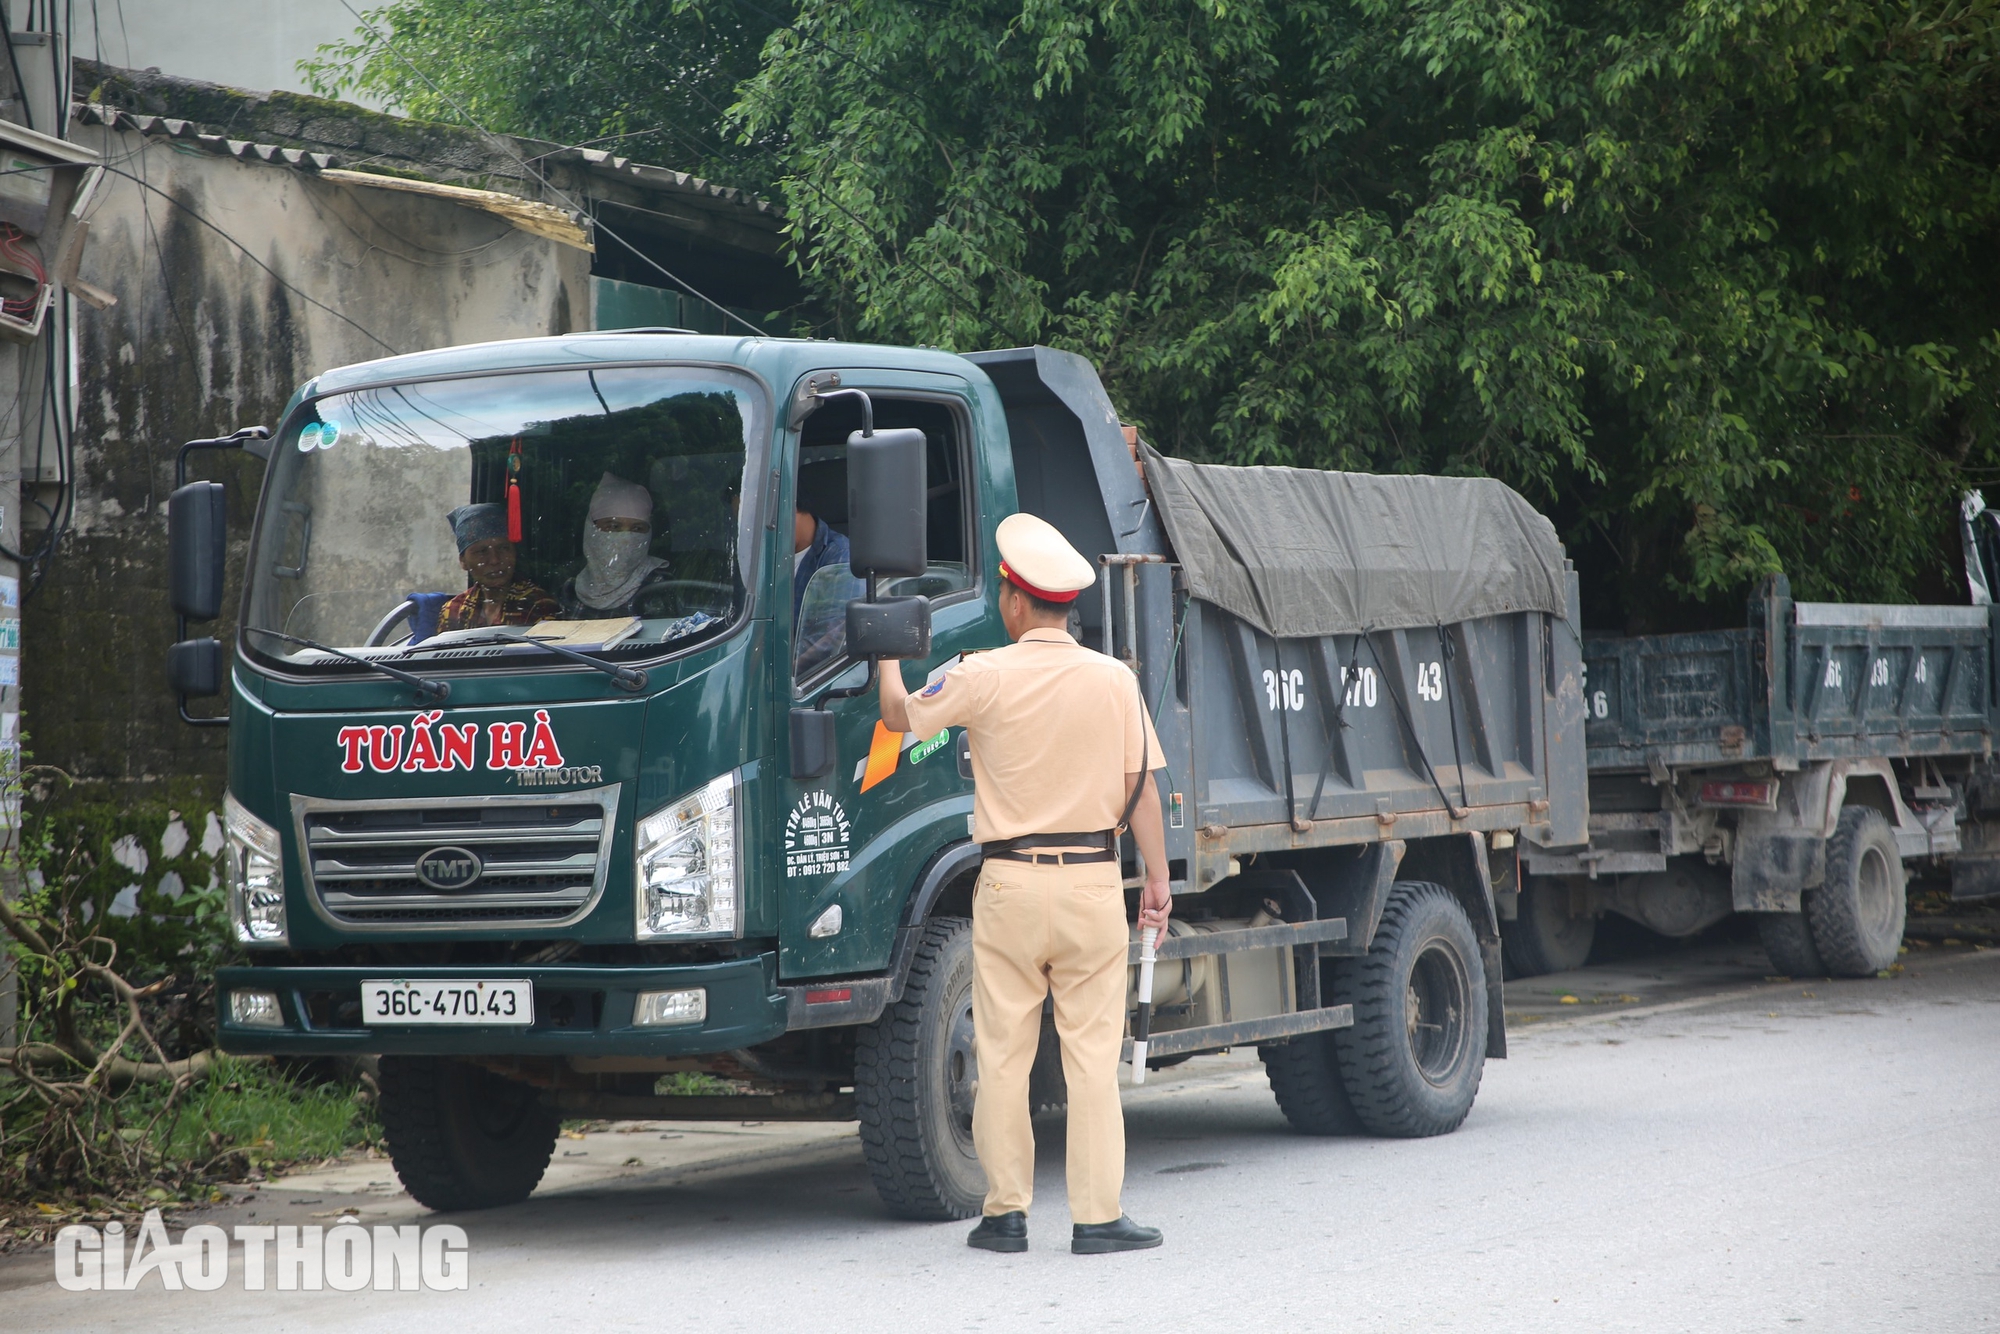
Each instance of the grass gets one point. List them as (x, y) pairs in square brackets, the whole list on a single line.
[(693, 1083), (272, 1118)]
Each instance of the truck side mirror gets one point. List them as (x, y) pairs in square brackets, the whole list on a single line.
[(194, 667), (197, 550), (813, 747), (887, 533), (891, 628)]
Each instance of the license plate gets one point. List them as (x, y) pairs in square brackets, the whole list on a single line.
[(401, 1001)]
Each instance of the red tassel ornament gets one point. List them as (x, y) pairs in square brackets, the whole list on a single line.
[(514, 492)]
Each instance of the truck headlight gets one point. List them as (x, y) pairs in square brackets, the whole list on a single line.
[(253, 870), (686, 878)]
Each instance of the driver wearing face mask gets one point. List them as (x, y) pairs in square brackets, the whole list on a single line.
[(617, 562)]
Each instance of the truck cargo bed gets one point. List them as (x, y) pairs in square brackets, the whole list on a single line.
[(1807, 681)]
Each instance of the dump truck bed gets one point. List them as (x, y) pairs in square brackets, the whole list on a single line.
[(1291, 741), (1807, 681)]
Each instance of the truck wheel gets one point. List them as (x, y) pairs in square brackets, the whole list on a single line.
[(1545, 938), (1412, 1060), (1857, 915), (1787, 938), (1305, 1075), (461, 1137), (914, 1076)]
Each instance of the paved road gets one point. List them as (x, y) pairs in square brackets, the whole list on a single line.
[(1718, 1152)]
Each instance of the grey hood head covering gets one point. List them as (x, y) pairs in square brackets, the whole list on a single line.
[(1300, 553), (476, 523), (616, 498)]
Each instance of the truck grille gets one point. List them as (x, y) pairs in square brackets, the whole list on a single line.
[(541, 859)]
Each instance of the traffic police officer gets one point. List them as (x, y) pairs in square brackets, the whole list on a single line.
[(1060, 746)]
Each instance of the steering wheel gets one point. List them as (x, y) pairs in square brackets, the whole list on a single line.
[(399, 615)]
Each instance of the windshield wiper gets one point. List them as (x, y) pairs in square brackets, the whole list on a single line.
[(627, 678), (435, 691)]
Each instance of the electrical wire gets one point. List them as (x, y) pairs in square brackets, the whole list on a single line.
[(23, 263), (34, 566), (14, 64), (65, 441), (66, 71)]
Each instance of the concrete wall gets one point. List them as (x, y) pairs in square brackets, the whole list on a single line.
[(205, 339)]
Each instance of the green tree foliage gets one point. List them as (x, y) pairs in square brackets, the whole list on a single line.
[(1710, 280), (648, 79)]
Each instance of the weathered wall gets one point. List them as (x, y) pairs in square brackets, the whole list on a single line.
[(205, 339)]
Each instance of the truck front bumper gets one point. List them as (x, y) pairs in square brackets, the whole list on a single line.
[(580, 1010)]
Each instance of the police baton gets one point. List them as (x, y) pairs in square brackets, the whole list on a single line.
[(1142, 1022)]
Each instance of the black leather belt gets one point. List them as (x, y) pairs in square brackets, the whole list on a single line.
[(1022, 849)]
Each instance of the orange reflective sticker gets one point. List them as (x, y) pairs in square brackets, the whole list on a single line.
[(883, 752)]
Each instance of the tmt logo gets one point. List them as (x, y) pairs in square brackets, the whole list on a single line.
[(449, 868), (435, 747)]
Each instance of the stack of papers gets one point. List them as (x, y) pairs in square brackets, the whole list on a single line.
[(584, 635)]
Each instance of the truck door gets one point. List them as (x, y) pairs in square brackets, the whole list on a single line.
[(851, 843)]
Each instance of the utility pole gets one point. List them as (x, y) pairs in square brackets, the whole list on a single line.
[(39, 183), (16, 109)]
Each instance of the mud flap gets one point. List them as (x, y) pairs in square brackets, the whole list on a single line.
[(1975, 877), (1356, 887), (1496, 1001), (1772, 869)]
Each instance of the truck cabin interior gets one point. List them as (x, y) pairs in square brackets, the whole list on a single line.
[(822, 489), (819, 623), (1074, 477)]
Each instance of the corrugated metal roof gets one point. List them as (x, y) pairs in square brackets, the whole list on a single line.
[(593, 162), (166, 127)]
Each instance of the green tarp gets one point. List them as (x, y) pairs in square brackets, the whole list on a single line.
[(1300, 553)]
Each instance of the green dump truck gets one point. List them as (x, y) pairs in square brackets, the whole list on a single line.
[(542, 868)]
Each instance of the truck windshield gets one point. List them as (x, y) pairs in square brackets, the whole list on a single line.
[(600, 509)]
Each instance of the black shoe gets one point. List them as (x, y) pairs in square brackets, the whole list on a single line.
[(1102, 1238), (1004, 1232)]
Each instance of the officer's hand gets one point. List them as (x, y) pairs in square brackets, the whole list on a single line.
[(1156, 903)]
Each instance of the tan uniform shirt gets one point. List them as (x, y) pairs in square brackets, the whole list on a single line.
[(1055, 728)]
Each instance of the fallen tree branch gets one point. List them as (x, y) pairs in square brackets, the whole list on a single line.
[(119, 1072)]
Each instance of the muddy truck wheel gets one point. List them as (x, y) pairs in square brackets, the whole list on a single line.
[(914, 1076), (1857, 914), (1412, 1060), (461, 1137), (1305, 1076), (1544, 938), (1787, 938)]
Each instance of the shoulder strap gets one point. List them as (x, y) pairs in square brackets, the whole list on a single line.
[(1145, 764)]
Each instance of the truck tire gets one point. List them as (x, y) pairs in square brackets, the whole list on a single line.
[(914, 1076), (1411, 1063), (1305, 1076), (461, 1137), (1787, 938), (1857, 915), (1544, 938)]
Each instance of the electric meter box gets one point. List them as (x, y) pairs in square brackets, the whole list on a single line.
[(45, 186)]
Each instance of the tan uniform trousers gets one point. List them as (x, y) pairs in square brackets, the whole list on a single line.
[(1037, 930)]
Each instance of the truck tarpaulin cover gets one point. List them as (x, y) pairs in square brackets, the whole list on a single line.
[(1300, 553)]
